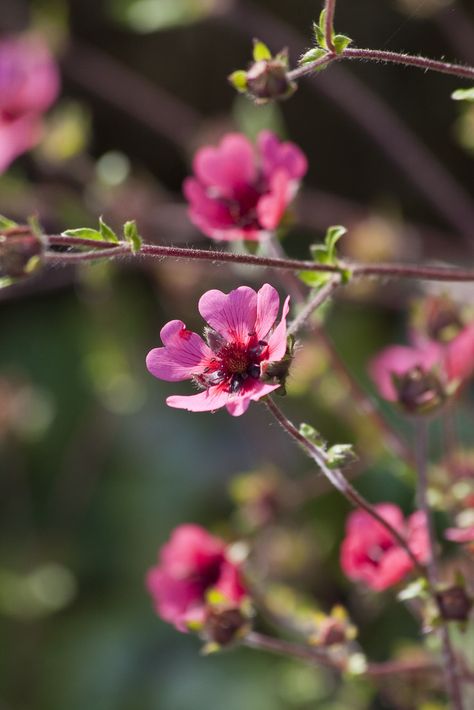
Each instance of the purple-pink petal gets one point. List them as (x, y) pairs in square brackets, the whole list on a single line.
[(268, 304), (276, 155), (271, 206), (207, 401), (398, 360), (233, 315), (185, 354), (277, 340), (227, 168)]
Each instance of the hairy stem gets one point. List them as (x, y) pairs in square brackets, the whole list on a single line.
[(100, 250), (338, 480), (320, 296), (452, 680), (318, 657), (330, 7), (379, 55)]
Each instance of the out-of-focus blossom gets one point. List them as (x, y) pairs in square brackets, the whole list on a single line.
[(239, 192), (232, 366), (369, 553), (29, 83), (461, 535), (191, 565)]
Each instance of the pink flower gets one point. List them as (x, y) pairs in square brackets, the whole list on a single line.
[(369, 554), (459, 355), (241, 344), (398, 360), (240, 193), (190, 565), (29, 83), (461, 535)]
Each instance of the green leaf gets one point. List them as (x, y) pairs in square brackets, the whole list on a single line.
[(130, 232), (418, 589), (314, 279), (83, 233), (341, 455), (6, 281), (238, 79), (312, 55), (108, 234), (333, 235), (341, 42), (6, 223), (261, 51), (463, 94), (309, 432), (319, 34)]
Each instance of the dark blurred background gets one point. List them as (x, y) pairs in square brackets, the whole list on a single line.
[(95, 471)]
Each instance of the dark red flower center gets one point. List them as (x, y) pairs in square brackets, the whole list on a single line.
[(234, 363)]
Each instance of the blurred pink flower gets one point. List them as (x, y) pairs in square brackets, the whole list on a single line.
[(242, 193), (461, 535), (398, 360), (458, 355), (29, 83), (242, 341), (369, 554), (191, 564)]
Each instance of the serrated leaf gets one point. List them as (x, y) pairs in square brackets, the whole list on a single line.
[(238, 79), (83, 233), (312, 55), (6, 223), (261, 51), (463, 94), (341, 42), (130, 232), (107, 233)]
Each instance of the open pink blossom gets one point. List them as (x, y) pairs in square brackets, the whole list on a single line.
[(192, 564), (239, 192), (232, 366), (29, 83), (369, 553)]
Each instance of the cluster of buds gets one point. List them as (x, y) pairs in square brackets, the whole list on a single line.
[(267, 77)]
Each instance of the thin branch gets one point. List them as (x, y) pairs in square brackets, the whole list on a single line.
[(317, 657), (338, 480), (358, 270), (379, 55), (452, 680), (330, 7), (315, 302)]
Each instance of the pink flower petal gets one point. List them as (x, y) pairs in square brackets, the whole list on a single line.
[(205, 212), (228, 167), (460, 535), (271, 207), (207, 401), (17, 137), (185, 354), (239, 403), (268, 303), (277, 155), (277, 340), (232, 315), (459, 355)]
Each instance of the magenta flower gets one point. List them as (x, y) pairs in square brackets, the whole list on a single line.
[(397, 360), (190, 565), (242, 193), (242, 342), (461, 535), (459, 355), (370, 555), (29, 83)]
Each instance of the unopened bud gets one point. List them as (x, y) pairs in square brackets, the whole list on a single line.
[(267, 78), (332, 632), (419, 391), (223, 626), (454, 604), (20, 252)]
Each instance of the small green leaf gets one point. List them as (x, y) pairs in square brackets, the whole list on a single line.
[(6, 281), (341, 42), (108, 234), (418, 589), (312, 55), (319, 35), (314, 279), (333, 235), (341, 455), (309, 432), (463, 94), (261, 51), (130, 232), (6, 223), (83, 233), (35, 226), (238, 79)]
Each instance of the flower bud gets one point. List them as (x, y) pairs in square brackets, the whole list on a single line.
[(20, 252), (267, 78), (454, 603), (224, 626), (419, 391)]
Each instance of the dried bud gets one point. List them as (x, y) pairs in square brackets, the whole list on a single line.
[(20, 252), (224, 626), (419, 391), (454, 603)]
